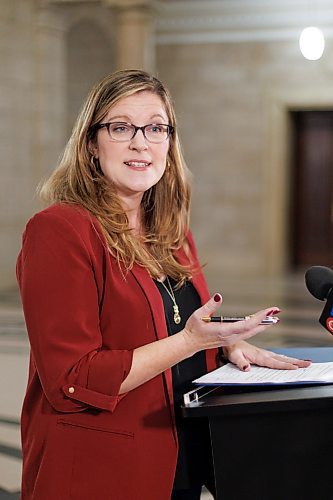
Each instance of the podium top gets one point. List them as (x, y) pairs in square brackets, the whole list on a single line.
[(223, 401)]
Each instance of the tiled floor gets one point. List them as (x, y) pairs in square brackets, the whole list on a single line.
[(298, 327)]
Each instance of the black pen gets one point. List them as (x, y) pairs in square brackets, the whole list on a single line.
[(269, 320)]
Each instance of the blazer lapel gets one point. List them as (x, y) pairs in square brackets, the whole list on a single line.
[(155, 302), (198, 279), (154, 299)]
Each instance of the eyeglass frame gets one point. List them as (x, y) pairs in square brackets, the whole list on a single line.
[(170, 130)]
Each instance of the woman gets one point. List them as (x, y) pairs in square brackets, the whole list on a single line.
[(113, 297)]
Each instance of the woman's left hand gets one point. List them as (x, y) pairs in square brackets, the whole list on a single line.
[(243, 355)]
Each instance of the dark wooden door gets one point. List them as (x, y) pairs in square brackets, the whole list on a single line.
[(312, 190)]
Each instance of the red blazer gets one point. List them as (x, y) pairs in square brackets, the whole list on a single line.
[(81, 440)]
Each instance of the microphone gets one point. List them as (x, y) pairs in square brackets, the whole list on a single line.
[(319, 282)]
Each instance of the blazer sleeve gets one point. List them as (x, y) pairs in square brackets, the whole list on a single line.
[(60, 299)]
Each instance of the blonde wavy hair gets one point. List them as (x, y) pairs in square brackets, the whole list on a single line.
[(165, 206)]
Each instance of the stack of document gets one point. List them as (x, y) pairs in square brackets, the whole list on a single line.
[(229, 374)]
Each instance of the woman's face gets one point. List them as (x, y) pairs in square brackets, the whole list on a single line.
[(136, 165)]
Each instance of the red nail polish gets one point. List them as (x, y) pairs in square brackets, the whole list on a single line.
[(217, 297), (273, 311), (245, 367)]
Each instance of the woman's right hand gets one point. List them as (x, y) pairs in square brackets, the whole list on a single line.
[(200, 335)]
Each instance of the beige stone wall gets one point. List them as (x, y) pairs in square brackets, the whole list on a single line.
[(18, 125), (50, 56), (233, 101)]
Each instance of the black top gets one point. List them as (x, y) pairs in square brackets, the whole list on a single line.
[(194, 454)]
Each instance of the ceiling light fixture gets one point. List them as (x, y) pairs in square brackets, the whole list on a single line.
[(312, 43)]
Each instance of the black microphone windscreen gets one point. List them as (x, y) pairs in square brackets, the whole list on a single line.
[(319, 281)]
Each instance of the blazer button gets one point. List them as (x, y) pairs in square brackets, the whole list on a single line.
[(71, 390)]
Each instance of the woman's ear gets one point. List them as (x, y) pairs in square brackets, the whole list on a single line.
[(93, 149)]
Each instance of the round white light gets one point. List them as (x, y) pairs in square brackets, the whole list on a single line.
[(312, 43)]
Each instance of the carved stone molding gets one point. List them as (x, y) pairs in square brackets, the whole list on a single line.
[(210, 21), (125, 4)]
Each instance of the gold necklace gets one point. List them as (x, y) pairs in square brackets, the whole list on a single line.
[(176, 316)]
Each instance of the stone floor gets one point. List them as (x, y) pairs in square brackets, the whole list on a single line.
[(298, 327)]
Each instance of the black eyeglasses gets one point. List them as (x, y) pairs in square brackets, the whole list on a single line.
[(122, 131)]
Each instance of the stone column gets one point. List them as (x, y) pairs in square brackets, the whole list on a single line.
[(135, 33)]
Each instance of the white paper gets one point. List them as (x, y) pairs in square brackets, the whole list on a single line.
[(230, 374)]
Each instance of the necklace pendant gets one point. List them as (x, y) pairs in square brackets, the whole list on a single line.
[(176, 317)]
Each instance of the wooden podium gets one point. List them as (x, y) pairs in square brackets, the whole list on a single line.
[(271, 443)]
